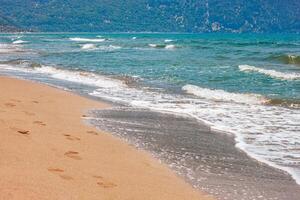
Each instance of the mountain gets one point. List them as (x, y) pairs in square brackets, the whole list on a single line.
[(154, 15), (7, 25)]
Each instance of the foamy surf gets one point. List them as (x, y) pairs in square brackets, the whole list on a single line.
[(271, 73), (77, 39), (88, 47), (170, 46), (221, 95), (10, 48), (162, 46), (168, 40), (260, 130), (81, 77), (266, 131), (19, 42)]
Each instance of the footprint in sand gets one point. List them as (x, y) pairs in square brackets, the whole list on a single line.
[(70, 137), (73, 155), (92, 132), (35, 102), (10, 105), (55, 170), (21, 131), (60, 172), (104, 183), (39, 123)]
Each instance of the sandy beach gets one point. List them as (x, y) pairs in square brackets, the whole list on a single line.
[(48, 152)]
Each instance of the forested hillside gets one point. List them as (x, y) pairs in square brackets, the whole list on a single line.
[(153, 15)]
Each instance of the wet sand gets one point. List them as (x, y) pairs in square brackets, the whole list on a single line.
[(47, 152), (209, 160)]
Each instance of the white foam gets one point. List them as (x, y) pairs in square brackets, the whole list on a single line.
[(86, 78), (221, 95), (267, 133), (168, 40), (271, 73), (133, 38), (9, 48), (19, 42), (80, 77), (170, 46), (77, 39), (88, 47), (152, 45), (262, 131)]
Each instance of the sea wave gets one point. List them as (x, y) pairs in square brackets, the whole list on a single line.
[(21, 63), (162, 46), (221, 95), (88, 47), (19, 42), (109, 48), (168, 40), (82, 77), (170, 46), (10, 48), (285, 102), (78, 39), (257, 127), (287, 59), (271, 73), (87, 78)]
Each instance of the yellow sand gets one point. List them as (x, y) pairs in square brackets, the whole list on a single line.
[(47, 152)]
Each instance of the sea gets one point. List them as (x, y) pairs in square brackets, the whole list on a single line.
[(246, 86)]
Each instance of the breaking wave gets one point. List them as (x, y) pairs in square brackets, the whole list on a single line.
[(287, 59), (77, 39), (81, 77), (162, 46), (10, 48), (168, 40), (221, 95), (88, 46), (257, 127), (271, 73), (19, 42)]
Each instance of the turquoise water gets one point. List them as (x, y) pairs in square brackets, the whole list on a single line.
[(248, 84), (210, 61)]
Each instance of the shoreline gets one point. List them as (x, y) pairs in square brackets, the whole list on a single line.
[(209, 160), (40, 122), (238, 176)]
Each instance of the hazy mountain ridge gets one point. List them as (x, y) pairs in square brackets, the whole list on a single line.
[(154, 15), (7, 26)]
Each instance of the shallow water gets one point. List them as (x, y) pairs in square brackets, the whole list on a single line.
[(246, 85)]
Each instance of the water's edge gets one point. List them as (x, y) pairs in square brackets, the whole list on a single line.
[(219, 167)]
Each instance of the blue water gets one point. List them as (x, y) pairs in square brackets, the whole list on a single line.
[(247, 85)]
